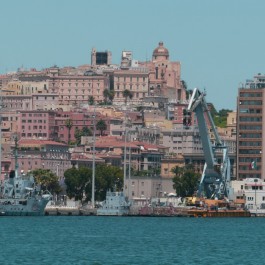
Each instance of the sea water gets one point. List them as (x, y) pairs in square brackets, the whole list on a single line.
[(131, 240)]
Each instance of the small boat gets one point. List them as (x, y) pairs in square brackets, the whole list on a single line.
[(115, 205)]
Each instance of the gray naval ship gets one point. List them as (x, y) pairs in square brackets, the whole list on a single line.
[(19, 195)]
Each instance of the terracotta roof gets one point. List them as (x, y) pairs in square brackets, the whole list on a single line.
[(115, 141), (38, 142)]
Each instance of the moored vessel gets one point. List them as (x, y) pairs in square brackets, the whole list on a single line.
[(115, 204), (20, 196)]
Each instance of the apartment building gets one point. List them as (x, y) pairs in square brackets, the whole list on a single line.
[(250, 136), (36, 124), (80, 119)]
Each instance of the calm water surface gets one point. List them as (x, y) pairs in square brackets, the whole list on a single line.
[(131, 240)]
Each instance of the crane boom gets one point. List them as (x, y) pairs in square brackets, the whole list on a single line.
[(215, 177)]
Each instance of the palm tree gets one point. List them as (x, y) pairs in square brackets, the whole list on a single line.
[(101, 126), (111, 95), (127, 94), (106, 93), (91, 100), (69, 125)]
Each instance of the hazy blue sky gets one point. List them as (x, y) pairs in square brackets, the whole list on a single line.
[(219, 43)]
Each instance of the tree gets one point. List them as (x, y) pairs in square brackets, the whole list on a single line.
[(220, 118), (47, 179), (91, 100), (184, 84), (111, 95), (107, 178), (69, 125), (79, 133), (101, 126), (79, 181), (127, 94), (86, 131), (106, 95), (185, 181)]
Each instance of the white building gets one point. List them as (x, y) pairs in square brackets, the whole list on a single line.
[(252, 190)]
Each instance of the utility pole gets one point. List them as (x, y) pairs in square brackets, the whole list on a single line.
[(93, 161), (124, 159)]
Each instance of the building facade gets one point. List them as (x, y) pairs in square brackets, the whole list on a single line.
[(250, 136), (164, 75), (136, 81)]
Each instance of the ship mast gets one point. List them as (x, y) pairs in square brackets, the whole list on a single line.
[(93, 162), (1, 105), (16, 160)]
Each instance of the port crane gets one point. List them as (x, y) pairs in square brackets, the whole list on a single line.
[(215, 179)]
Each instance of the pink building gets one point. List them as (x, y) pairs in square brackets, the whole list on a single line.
[(80, 119), (36, 124), (36, 154), (77, 89)]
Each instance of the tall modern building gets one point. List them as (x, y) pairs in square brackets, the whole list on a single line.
[(250, 138)]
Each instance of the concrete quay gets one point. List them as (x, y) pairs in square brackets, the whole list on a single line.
[(68, 211)]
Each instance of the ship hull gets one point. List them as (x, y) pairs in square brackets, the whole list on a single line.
[(29, 207)]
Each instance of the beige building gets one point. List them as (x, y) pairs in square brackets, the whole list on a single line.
[(134, 80)]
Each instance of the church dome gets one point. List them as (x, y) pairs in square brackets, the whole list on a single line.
[(160, 52)]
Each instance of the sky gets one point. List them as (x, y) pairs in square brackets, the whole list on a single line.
[(220, 43)]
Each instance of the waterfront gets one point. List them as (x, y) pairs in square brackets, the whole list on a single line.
[(131, 240)]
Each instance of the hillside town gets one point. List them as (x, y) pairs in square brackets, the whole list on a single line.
[(137, 111)]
